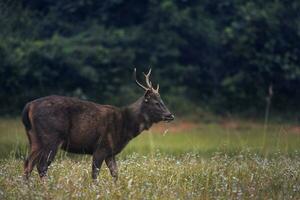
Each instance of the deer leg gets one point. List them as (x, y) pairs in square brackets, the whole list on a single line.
[(35, 151), (45, 159), (98, 158), (30, 163), (112, 165)]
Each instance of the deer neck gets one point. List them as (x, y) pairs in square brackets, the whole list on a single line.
[(136, 120)]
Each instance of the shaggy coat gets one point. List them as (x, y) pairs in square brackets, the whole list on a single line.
[(85, 127)]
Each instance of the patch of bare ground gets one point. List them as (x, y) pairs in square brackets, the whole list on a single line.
[(239, 125), (294, 130)]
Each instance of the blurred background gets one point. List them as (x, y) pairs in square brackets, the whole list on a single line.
[(209, 56)]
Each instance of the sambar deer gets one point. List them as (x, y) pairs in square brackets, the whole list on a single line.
[(85, 127)]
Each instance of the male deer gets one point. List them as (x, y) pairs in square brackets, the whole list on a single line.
[(85, 127)]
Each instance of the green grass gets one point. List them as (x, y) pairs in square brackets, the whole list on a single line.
[(210, 138), (208, 161)]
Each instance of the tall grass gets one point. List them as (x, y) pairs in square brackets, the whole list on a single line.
[(229, 160), (246, 176)]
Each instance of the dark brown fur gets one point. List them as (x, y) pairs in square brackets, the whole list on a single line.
[(85, 127)]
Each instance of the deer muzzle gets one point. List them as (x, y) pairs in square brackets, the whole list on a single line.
[(168, 117)]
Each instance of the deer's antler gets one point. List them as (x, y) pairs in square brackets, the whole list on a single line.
[(148, 82)]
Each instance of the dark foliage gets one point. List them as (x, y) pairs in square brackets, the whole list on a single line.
[(222, 55)]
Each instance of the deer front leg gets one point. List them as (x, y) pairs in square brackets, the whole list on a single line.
[(112, 165), (98, 157)]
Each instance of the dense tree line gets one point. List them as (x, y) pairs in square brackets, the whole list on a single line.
[(218, 54)]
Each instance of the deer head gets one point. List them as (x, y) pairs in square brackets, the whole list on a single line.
[(152, 105)]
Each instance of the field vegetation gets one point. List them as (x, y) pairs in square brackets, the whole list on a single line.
[(227, 160)]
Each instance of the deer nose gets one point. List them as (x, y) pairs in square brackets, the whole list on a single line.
[(169, 117), (172, 117)]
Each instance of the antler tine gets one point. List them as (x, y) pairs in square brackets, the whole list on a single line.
[(139, 84), (147, 76), (157, 88)]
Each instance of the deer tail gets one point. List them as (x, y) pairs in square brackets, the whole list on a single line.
[(25, 117)]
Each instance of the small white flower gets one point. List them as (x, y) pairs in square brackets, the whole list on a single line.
[(129, 183)]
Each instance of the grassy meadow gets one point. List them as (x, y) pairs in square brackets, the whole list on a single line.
[(181, 160)]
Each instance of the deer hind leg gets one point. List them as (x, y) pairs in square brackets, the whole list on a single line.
[(30, 163), (112, 166), (35, 151), (46, 157)]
